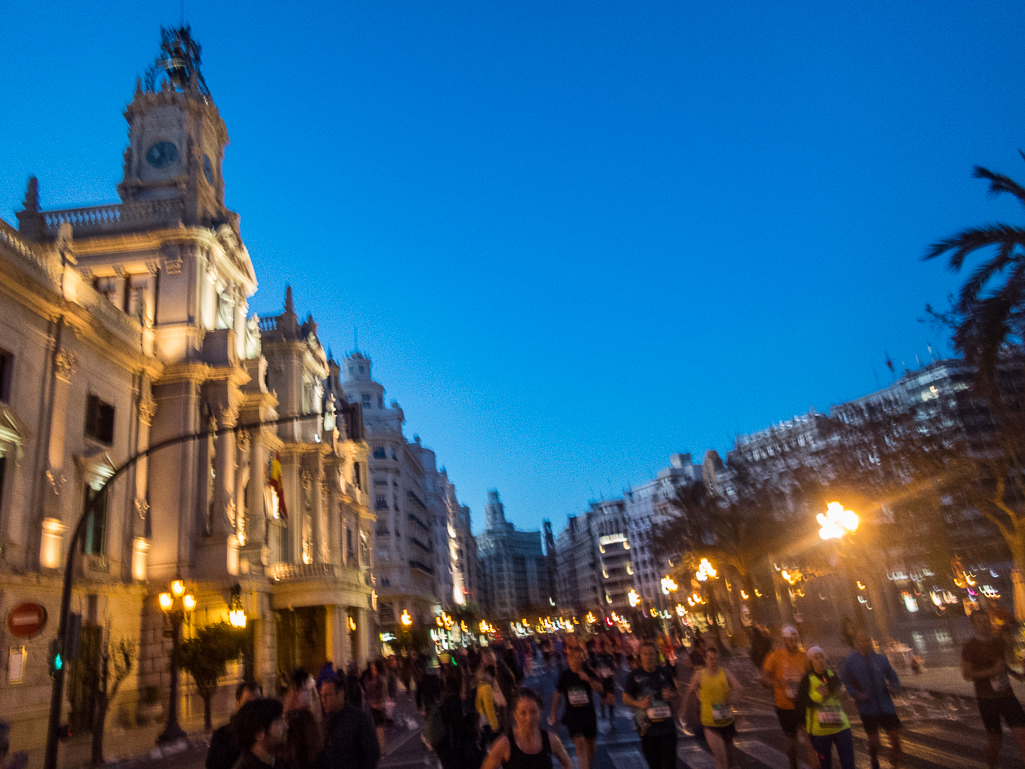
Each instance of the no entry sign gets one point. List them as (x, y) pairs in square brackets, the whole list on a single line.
[(26, 619)]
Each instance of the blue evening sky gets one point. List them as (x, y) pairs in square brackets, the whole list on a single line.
[(575, 237)]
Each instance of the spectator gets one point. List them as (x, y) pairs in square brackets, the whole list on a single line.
[(349, 739), (260, 729), (224, 751)]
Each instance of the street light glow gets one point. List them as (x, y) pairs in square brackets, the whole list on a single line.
[(837, 521), (633, 597), (669, 585), (405, 619), (166, 601)]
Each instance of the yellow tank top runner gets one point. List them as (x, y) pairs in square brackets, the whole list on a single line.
[(714, 693)]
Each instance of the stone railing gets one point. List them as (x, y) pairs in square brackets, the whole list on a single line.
[(280, 572), (110, 316), (116, 216), (268, 324), (35, 255)]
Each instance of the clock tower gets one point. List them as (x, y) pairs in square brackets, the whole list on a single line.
[(176, 137)]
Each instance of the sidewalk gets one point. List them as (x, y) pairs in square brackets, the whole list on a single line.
[(947, 680)]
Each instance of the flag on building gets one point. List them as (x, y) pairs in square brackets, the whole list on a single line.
[(274, 482)]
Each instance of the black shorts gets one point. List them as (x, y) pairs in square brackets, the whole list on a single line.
[(888, 722), (587, 729), (379, 716), (788, 720), (993, 708), (726, 732)]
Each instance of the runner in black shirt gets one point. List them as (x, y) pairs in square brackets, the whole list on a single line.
[(651, 691), (575, 687)]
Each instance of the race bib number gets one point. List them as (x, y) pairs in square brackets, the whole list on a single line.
[(791, 690), (604, 673), (829, 715), (578, 697), (1000, 683), (659, 711), (721, 712)]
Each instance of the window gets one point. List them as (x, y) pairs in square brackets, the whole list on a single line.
[(380, 401), (356, 481), (99, 420), (366, 400), (382, 502), (380, 452), (6, 364), (394, 456), (96, 524)]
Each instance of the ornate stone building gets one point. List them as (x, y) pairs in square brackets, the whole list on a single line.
[(125, 325)]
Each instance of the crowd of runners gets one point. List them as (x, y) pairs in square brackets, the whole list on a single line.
[(480, 711)]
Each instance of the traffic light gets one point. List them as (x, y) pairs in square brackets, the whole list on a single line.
[(56, 659)]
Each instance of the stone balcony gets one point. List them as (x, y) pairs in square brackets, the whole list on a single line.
[(314, 584), (116, 217)]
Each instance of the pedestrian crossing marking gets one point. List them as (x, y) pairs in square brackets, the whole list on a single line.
[(764, 754), (694, 756)]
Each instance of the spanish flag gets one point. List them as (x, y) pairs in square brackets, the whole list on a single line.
[(274, 481)]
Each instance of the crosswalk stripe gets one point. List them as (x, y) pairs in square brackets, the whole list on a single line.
[(916, 749), (694, 757), (764, 754)]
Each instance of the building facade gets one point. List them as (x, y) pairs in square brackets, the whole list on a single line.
[(513, 566), (124, 326)]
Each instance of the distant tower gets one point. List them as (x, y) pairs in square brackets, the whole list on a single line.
[(359, 385), (494, 512)]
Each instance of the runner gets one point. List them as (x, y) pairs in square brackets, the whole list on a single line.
[(825, 723), (651, 691), (575, 685), (714, 684), (783, 670), (605, 668), (527, 746), (984, 662), (869, 678)]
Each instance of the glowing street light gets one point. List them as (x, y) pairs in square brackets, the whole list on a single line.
[(705, 571), (633, 597), (406, 619), (837, 522), (669, 585)]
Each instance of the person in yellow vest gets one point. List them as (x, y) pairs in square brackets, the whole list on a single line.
[(713, 686), (825, 723)]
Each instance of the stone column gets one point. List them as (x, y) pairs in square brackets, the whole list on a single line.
[(291, 549), (362, 650), (256, 549), (337, 635), (223, 524)]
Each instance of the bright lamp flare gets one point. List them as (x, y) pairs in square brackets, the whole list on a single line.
[(837, 522), (166, 601), (177, 588), (633, 597), (189, 602)]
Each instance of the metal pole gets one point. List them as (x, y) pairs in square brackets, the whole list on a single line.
[(57, 690), (173, 731)]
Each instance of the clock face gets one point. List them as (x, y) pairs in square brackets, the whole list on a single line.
[(208, 169), (162, 154)]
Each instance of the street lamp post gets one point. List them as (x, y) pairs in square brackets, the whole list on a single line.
[(668, 586), (177, 606)]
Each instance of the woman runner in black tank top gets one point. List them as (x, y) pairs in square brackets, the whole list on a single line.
[(527, 746)]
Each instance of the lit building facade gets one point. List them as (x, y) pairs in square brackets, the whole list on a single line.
[(126, 325)]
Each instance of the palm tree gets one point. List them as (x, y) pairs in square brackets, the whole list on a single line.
[(988, 316), (990, 308)]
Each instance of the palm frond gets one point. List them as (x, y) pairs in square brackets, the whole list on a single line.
[(966, 242), (998, 183), (984, 273)]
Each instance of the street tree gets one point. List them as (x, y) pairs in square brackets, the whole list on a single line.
[(206, 659), (115, 665)]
